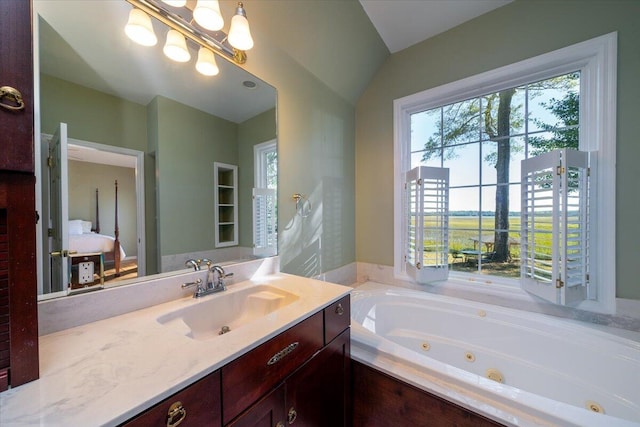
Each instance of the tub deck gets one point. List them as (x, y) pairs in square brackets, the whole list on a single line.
[(550, 369)]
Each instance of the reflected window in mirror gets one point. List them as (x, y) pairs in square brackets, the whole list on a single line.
[(266, 164), (265, 201)]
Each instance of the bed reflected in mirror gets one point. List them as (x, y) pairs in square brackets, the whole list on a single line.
[(157, 128)]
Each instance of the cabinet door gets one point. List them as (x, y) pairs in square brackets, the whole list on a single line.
[(319, 393), (251, 376), (197, 405), (16, 71), (18, 304), (337, 318), (268, 412)]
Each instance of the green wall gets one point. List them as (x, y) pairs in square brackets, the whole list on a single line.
[(91, 115), (259, 129), (316, 154), (520, 30), (189, 141)]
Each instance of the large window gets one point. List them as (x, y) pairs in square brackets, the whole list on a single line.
[(481, 128), (482, 142)]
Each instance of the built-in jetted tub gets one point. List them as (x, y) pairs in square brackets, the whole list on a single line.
[(516, 367)]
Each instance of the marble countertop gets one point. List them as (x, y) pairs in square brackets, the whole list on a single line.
[(105, 372)]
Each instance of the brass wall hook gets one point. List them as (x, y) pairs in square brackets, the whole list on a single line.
[(303, 205)]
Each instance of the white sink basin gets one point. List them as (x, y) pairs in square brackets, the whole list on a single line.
[(206, 318)]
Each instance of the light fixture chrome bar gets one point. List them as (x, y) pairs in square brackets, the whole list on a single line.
[(215, 40)]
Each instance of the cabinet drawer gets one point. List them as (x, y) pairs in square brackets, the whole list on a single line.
[(337, 318), (251, 376), (200, 401)]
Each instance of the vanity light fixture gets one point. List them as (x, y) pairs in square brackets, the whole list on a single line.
[(139, 28), (198, 26), (239, 33), (207, 62), (176, 47), (207, 14)]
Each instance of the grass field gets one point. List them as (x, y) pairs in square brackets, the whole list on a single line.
[(469, 238), (463, 230)]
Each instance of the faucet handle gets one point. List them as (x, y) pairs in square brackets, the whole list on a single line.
[(206, 261), (190, 284)]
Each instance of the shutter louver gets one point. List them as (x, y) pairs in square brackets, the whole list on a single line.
[(555, 226), (264, 222), (427, 224)]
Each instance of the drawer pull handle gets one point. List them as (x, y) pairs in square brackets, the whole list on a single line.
[(282, 353), (339, 310), (176, 414), (292, 415), (280, 424)]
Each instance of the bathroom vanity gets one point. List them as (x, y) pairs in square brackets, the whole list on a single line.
[(285, 359)]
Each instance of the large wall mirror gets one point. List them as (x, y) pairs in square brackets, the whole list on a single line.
[(143, 156)]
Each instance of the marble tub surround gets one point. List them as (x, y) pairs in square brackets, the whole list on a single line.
[(63, 313), (105, 372)]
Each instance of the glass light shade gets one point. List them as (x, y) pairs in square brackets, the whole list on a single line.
[(207, 14), (139, 28), (207, 62), (239, 33), (175, 3), (176, 47)]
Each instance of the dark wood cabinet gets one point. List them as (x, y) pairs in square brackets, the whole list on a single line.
[(197, 405), (337, 318), (18, 287), (252, 375), (268, 412), (16, 71), (381, 400), (18, 304), (318, 393), (305, 379)]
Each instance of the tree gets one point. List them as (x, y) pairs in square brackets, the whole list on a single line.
[(500, 134), (500, 117), (566, 135)]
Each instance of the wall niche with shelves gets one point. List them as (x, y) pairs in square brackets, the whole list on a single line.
[(225, 204)]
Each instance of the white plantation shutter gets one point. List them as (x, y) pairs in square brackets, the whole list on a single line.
[(264, 222), (426, 219), (555, 226)]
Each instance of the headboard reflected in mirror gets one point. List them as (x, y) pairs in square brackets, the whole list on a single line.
[(112, 109)]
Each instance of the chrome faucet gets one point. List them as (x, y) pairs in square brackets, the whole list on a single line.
[(192, 263), (215, 282)]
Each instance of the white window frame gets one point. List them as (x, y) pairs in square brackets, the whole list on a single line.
[(259, 158), (596, 59)]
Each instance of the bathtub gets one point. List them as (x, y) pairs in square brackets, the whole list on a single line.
[(515, 367)]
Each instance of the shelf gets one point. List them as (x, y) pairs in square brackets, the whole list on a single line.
[(226, 204)]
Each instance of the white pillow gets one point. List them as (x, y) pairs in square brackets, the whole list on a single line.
[(75, 226), (86, 227)]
